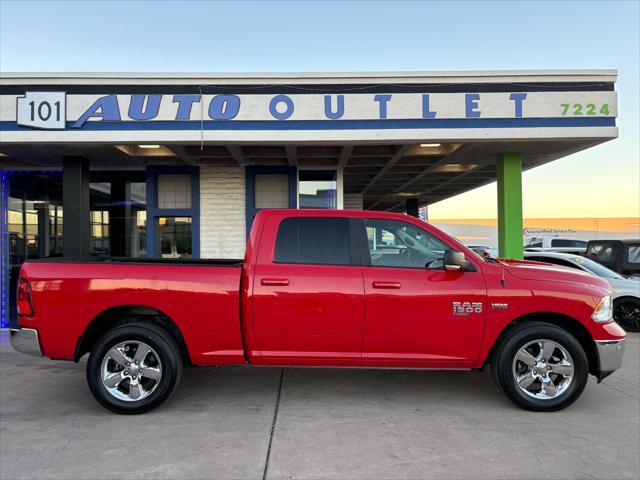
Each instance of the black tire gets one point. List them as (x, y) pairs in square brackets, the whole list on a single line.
[(169, 359), (626, 313), (516, 338)]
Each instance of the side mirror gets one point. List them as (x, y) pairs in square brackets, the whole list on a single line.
[(455, 261)]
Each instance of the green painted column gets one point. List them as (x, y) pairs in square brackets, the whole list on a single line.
[(510, 244)]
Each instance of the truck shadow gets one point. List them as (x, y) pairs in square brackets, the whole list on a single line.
[(256, 388)]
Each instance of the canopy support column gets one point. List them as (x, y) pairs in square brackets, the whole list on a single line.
[(509, 173)]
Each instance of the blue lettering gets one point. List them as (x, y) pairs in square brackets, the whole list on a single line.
[(383, 99), (274, 103), (329, 113), (105, 108), (426, 111), (224, 107), (151, 108), (185, 102), (518, 98), (471, 105)]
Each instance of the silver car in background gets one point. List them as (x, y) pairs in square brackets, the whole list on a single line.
[(626, 291)]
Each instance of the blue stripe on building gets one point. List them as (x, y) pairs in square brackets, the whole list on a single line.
[(239, 125)]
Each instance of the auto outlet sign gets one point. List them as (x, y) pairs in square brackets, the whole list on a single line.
[(304, 116)]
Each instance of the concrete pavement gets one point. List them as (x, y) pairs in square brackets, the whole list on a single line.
[(331, 424)]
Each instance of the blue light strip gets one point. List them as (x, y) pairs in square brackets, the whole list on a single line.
[(4, 250), (279, 125)]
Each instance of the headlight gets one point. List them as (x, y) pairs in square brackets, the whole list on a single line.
[(603, 312)]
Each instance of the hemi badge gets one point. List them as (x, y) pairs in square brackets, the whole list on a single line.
[(500, 306)]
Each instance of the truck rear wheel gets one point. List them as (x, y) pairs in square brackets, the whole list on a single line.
[(540, 366), (134, 368)]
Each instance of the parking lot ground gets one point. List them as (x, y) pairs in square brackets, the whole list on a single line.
[(331, 423)]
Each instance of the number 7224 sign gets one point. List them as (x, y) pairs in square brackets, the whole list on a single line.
[(575, 109), (42, 110)]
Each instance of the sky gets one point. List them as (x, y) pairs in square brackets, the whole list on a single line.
[(310, 36)]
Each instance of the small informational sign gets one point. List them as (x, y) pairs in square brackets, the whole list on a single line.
[(45, 110)]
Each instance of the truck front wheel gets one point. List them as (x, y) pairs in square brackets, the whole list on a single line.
[(134, 368), (540, 366)]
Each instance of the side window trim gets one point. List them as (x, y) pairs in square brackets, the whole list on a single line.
[(359, 239), (359, 249)]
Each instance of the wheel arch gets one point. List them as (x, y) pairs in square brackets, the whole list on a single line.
[(616, 302), (573, 326), (121, 315), (625, 296)]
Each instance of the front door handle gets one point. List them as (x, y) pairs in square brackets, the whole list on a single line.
[(386, 284), (280, 282)]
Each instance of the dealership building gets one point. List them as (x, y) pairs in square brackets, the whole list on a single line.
[(173, 165)]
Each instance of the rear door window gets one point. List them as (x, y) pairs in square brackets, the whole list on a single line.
[(313, 240)]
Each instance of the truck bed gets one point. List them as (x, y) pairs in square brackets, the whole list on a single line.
[(210, 262), (201, 297)]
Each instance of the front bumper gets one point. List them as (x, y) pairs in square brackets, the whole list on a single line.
[(25, 340), (610, 353)]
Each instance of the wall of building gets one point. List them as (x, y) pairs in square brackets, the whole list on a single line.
[(222, 212), (353, 201)]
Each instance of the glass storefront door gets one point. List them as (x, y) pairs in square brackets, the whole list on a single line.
[(34, 224), (118, 215)]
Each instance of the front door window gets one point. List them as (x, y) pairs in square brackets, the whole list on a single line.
[(393, 243)]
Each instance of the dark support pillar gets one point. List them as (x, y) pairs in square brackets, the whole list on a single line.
[(75, 201), (412, 207), (43, 229), (117, 218)]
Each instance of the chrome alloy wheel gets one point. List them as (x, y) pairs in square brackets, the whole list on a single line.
[(131, 371), (543, 369)]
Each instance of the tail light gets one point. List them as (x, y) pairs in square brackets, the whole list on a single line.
[(25, 307)]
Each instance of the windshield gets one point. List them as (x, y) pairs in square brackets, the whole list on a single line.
[(596, 268)]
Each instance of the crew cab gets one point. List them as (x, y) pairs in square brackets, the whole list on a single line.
[(322, 288)]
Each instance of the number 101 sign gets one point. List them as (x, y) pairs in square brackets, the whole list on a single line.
[(45, 110)]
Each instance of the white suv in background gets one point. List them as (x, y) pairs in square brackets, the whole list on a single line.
[(556, 244)]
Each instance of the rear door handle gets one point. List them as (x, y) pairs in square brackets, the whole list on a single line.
[(282, 282), (386, 284)]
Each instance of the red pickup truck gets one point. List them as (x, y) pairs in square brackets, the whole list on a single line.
[(322, 288)]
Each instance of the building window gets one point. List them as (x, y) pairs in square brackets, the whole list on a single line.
[(318, 189), (271, 191), (55, 230), (100, 238), (269, 187), (175, 237), (171, 224), (174, 191)]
